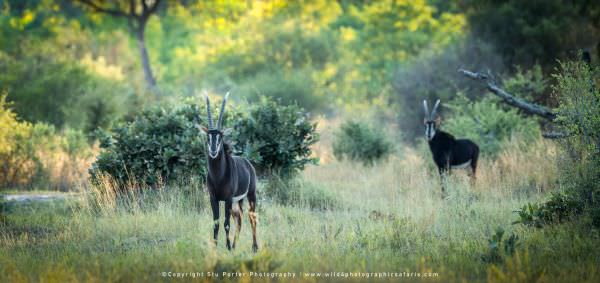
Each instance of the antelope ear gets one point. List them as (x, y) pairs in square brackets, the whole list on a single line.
[(438, 121), (425, 121), (227, 131)]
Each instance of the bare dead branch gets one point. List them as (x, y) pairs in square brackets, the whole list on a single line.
[(510, 99), (555, 135)]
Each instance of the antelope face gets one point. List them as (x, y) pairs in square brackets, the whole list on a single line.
[(214, 136), (214, 140), (431, 121), (429, 129)]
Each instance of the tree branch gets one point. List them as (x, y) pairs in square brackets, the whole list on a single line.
[(97, 8), (555, 135), (510, 99)]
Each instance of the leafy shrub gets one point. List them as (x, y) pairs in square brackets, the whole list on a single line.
[(36, 155), (529, 84), (488, 124), (579, 117), (164, 145), (158, 143), (360, 142), (276, 138), (558, 208)]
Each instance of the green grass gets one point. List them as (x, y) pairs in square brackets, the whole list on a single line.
[(386, 218)]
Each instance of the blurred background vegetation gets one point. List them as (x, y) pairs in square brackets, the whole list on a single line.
[(77, 72)]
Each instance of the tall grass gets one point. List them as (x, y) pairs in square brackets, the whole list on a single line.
[(384, 218)]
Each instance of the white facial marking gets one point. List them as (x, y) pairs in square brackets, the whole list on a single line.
[(429, 131), (210, 152)]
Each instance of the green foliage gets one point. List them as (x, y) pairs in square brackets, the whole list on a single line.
[(383, 34), (529, 32), (164, 144), (158, 145), (359, 141), (288, 88), (37, 155), (61, 93), (488, 124), (499, 248), (558, 208), (579, 118), (276, 138), (432, 76), (529, 84)]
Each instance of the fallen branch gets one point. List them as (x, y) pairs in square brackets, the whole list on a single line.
[(510, 99), (555, 135)]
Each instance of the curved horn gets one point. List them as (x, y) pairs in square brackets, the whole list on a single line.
[(210, 121), (425, 108), (220, 122), (434, 111)]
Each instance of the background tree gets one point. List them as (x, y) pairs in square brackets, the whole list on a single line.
[(137, 14), (538, 31)]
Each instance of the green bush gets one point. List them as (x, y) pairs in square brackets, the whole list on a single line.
[(360, 142), (158, 143), (488, 124), (276, 138), (558, 208), (579, 118), (36, 155), (164, 145)]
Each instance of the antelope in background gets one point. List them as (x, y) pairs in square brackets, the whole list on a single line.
[(229, 179), (448, 152)]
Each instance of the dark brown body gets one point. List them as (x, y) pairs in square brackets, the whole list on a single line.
[(230, 178)]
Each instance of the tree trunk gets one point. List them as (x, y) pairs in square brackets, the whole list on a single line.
[(141, 43)]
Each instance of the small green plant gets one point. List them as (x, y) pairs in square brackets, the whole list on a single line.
[(499, 248), (558, 208), (359, 141), (276, 138)]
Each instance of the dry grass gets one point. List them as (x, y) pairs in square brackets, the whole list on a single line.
[(389, 217)]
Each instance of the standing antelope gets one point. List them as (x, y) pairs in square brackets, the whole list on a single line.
[(448, 152), (229, 179)]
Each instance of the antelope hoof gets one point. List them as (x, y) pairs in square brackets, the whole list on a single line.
[(254, 248)]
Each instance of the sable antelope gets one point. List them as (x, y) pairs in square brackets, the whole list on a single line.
[(448, 152), (229, 179)]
